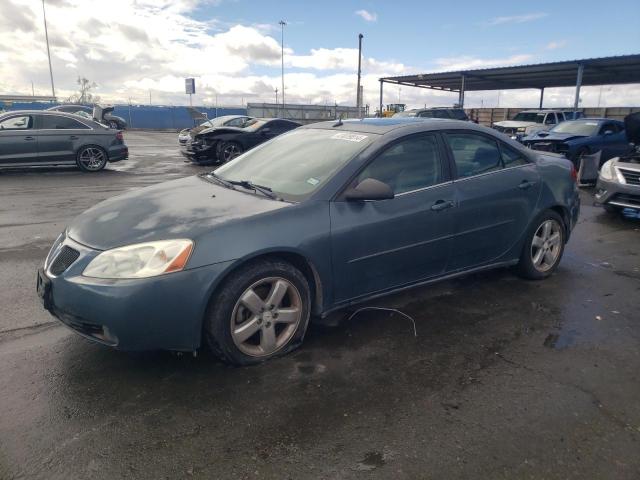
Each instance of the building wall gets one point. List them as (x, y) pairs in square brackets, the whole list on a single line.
[(146, 116)]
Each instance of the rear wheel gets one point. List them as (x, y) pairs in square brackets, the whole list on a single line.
[(229, 150), (113, 124), (91, 159), (543, 247), (261, 311)]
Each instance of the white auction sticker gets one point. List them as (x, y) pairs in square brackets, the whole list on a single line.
[(350, 137), (313, 181)]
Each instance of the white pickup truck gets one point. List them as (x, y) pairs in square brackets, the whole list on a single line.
[(528, 122)]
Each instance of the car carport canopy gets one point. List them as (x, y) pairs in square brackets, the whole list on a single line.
[(592, 71)]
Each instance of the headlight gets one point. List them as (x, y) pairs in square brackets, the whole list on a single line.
[(607, 172), (521, 130), (141, 260)]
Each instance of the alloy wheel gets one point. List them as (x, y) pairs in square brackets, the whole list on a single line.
[(92, 159), (230, 151), (266, 316), (546, 245)]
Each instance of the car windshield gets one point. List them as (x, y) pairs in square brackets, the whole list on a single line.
[(533, 117), (217, 122), (577, 127), (296, 164), (254, 124)]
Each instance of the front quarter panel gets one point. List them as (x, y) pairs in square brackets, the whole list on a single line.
[(559, 189)]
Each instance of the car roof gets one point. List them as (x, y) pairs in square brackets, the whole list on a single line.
[(49, 112), (385, 125)]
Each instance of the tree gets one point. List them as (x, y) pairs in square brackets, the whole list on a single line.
[(84, 96)]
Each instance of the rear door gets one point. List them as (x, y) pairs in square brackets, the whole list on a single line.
[(59, 138), (18, 143), (497, 190), (379, 245)]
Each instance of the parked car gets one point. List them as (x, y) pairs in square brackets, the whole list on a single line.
[(577, 138), (321, 218), (529, 122), (618, 185), (435, 112), (187, 134), (36, 137), (108, 118), (221, 144)]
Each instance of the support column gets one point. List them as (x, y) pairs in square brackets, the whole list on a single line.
[(541, 97), (576, 102), (380, 111), (461, 94)]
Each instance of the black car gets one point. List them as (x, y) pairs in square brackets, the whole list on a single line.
[(107, 117), (436, 112), (221, 144)]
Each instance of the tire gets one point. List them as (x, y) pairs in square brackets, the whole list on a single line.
[(91, 158), (611, 208), (243, 328), (227, 151), (113, 124), (531, 265)]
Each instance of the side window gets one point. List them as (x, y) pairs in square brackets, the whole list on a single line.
[(550, 119), (55, 122), (511, 157), (23, 122), (560, 117), (426, 114), (458, 114), (236, 122), (474, 154), (408, 165), (441, 114)]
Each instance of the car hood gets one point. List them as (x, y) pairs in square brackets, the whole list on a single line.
[(553, 137), (632, 127), (217, 130), (514, 124), (183, 208)]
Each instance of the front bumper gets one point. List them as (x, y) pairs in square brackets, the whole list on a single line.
[(617, 194), (198, 152), (158, 313)]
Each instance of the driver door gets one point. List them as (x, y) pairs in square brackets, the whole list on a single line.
[(384, 244), (18, 141)]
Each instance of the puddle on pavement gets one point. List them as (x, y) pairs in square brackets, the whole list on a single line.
[(371, 461), (561, 340)]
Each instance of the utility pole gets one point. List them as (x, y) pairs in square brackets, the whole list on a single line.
[(276, 96), (358, 92), (46, 35), (282, 24)]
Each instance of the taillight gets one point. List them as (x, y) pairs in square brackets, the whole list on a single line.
[(119, 136), (574, 173)]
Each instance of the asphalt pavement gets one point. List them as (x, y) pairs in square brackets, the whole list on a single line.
[(505, 378)]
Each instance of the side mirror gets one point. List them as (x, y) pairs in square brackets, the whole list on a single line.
[(608, 132), (265, 131), (370, 189)]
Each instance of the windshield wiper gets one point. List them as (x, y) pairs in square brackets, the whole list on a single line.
[(220, 180), (266, 191)]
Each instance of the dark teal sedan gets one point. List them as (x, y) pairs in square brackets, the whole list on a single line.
[(313, 221)]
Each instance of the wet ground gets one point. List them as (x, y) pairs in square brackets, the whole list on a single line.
[(505, 378)]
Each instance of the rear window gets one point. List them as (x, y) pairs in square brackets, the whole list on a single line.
[(458, 114)]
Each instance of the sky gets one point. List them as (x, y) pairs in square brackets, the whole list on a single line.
[(142, 50)]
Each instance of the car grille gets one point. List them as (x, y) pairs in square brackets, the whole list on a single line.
[(550, 147), (632, 177), (626, 199), (63, 260)]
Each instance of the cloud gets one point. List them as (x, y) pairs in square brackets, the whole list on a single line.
[(367, 16), (469, 62), (527, 17), (555, 45)]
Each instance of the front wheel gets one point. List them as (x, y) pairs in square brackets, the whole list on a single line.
[(261, 311), (113, 124), (228, 151), (91, 159), (543, 247)]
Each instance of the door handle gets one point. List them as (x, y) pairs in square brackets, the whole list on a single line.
[(29, 138), (441, 205), (73, 137), (526, 184)]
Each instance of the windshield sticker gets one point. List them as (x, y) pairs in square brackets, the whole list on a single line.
[(313, 181), (350, 137)]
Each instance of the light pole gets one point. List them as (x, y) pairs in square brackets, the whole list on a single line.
[(358, 93), (46, 35), (282, 24), (276, 97)]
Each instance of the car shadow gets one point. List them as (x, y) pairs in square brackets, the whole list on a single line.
[(53, 170)]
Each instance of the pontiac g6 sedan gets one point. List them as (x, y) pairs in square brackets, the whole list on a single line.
[(318, 219)]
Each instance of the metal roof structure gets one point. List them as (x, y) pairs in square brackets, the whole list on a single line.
[(26, 98), (591, 71)]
